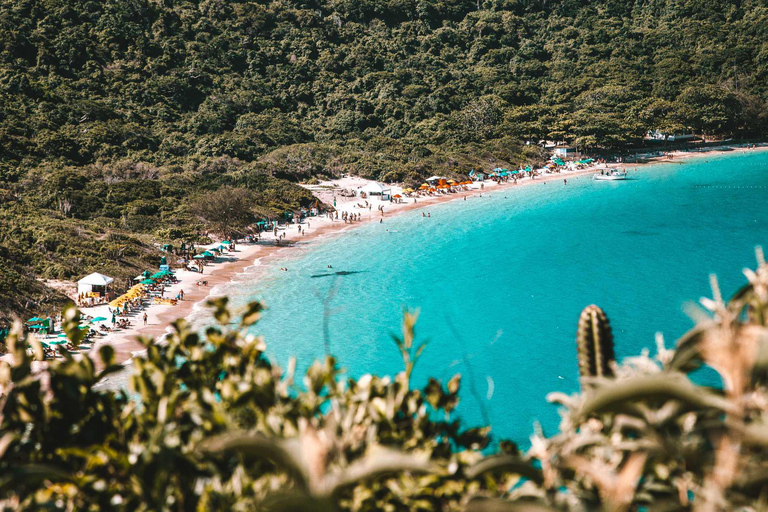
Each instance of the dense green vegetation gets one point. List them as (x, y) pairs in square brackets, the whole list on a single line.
[(112, 114), (213, 425)]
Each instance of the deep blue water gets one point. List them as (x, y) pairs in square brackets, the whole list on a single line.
[(500, 280)]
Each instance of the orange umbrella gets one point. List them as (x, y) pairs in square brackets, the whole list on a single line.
[(424, 187)]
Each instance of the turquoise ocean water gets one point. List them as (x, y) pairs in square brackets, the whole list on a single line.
[(500, 280)]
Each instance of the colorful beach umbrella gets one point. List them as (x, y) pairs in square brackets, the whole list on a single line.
[(98, 319)]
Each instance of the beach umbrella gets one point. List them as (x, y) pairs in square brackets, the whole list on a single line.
[(209, 254), (198, 256), (34, 320), (146, 273), (57, 342), (148, 281), (98, 319), (215, 249), (226, 242)]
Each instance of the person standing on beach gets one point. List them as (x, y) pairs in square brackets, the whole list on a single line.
[(145, 318)]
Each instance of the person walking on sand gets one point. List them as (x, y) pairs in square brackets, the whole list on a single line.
[(181, 294), (145, 318)]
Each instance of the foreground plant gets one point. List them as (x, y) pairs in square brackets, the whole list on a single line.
[(209, 423)]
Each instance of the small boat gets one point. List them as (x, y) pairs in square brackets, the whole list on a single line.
[(610, 175)]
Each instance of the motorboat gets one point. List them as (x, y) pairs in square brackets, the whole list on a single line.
[(610, 175)]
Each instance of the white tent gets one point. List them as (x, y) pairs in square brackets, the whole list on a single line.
[(93, 283), (377, 189)]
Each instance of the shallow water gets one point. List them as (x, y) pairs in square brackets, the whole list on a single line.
[(500, 280)]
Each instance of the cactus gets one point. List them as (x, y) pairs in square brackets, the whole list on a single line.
[(594, 341)]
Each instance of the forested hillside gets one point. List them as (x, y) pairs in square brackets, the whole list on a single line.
[(114, 113)]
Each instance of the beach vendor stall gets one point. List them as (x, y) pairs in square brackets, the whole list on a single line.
[(94, 287), (374, 189)]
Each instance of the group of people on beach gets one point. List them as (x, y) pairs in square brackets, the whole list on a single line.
[(350, 217)]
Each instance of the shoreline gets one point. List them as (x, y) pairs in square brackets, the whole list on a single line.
[(265, 253)]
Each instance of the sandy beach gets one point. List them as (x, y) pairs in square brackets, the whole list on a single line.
[(229, 265)]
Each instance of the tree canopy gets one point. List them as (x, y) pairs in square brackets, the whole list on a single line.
[(113, 114)]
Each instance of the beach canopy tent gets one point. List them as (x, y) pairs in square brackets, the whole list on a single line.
[(94, 283), (377, 189)]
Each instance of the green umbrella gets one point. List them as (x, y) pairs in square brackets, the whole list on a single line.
[(146, 273), (98, 319), (227, 242), (216, 249), (198, 256), (157, 275), (208, 253), (57, 342), (34, 319), (147, 281)]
